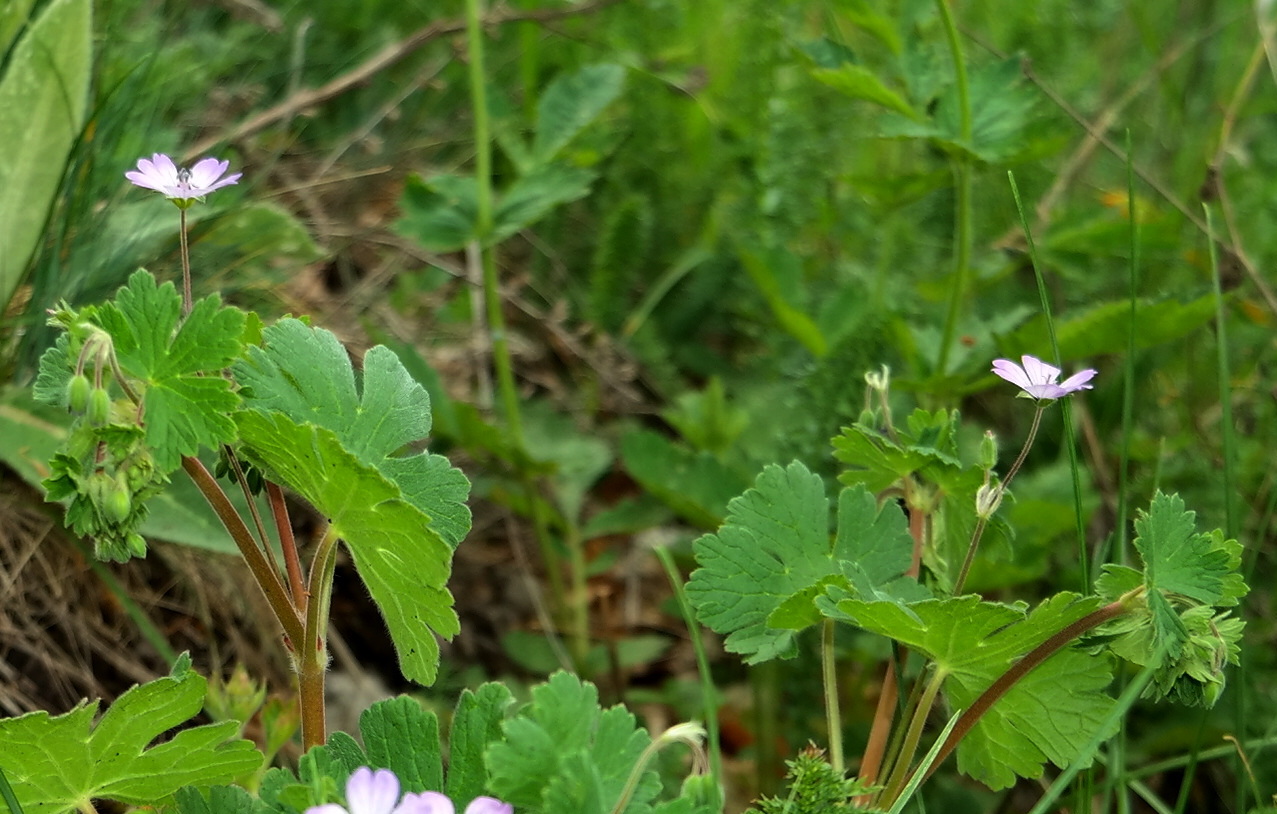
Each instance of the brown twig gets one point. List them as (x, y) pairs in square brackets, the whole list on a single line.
[(388, 56)]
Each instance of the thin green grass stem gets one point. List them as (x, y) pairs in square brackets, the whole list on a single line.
[(1229, 440), (900, 774), (829, 677), (6, 794), (709, 694), (501, 362), (1067, 408), (962, 190), (145, 625)]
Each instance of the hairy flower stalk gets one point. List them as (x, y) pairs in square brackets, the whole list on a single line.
[(183, 187), (1038, 381)]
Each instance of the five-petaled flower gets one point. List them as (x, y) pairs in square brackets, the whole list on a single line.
[(1038, 380), (369, 792), (180, 185)]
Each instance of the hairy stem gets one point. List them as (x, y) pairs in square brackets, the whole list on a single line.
[(312, 662), (263, 571), (287, 544), (186, 264), (983, 521), (972, 715), (833, 715)]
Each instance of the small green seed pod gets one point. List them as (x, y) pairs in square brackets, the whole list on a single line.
[(78, 393), (137, 545), (118, 504), (99, 406)]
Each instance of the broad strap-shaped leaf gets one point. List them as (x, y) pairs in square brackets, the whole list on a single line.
[(187, 401), (59, 764), (402, 559), (305, 374), (973, 643), (564, 753), (44, 95), (776, 545)]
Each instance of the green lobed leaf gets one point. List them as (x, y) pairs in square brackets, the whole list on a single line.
[(974, 642), (1177, 559), (400, 735), (859, 82), (187, 401), (776, 545), (59, 764), (476, 724), (43, 102), (564, 753), (305, 374), (402, 559)]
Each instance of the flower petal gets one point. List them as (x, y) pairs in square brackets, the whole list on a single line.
[(488, 805), (1078, 381), (369, 792), (1039, 372), (427, 802), (329, 808), (1011, 372)]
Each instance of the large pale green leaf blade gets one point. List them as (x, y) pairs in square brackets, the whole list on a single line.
[(571, 102), (13, 15), (58, 764), (43, 99), (305, 374), (402, 559)]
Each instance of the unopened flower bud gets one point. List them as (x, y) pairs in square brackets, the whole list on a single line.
[(78, 393), (987, 499), (99, 406), (988, 451)]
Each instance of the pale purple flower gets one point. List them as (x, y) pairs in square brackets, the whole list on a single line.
[(369, 792), (181, 185), (1038, 379)]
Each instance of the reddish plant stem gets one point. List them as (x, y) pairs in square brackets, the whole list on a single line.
[(287, 544), (885, 713), (312, 662), (1019, 670), (263, 572)]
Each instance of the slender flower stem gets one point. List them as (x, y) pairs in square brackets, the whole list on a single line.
[(982, 522), (186, 265), (264, 573), (833, 714), (287, 544), (313, 652), (972, 715)]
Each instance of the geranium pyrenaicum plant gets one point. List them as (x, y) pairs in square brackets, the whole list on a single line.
[(180, 185), (1038, 380), (369, 792)]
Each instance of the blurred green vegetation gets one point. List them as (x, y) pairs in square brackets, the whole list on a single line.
[(764, 210)]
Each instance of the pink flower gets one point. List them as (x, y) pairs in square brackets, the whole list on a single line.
[(369, 792), (1038, 379), (182, 186)]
